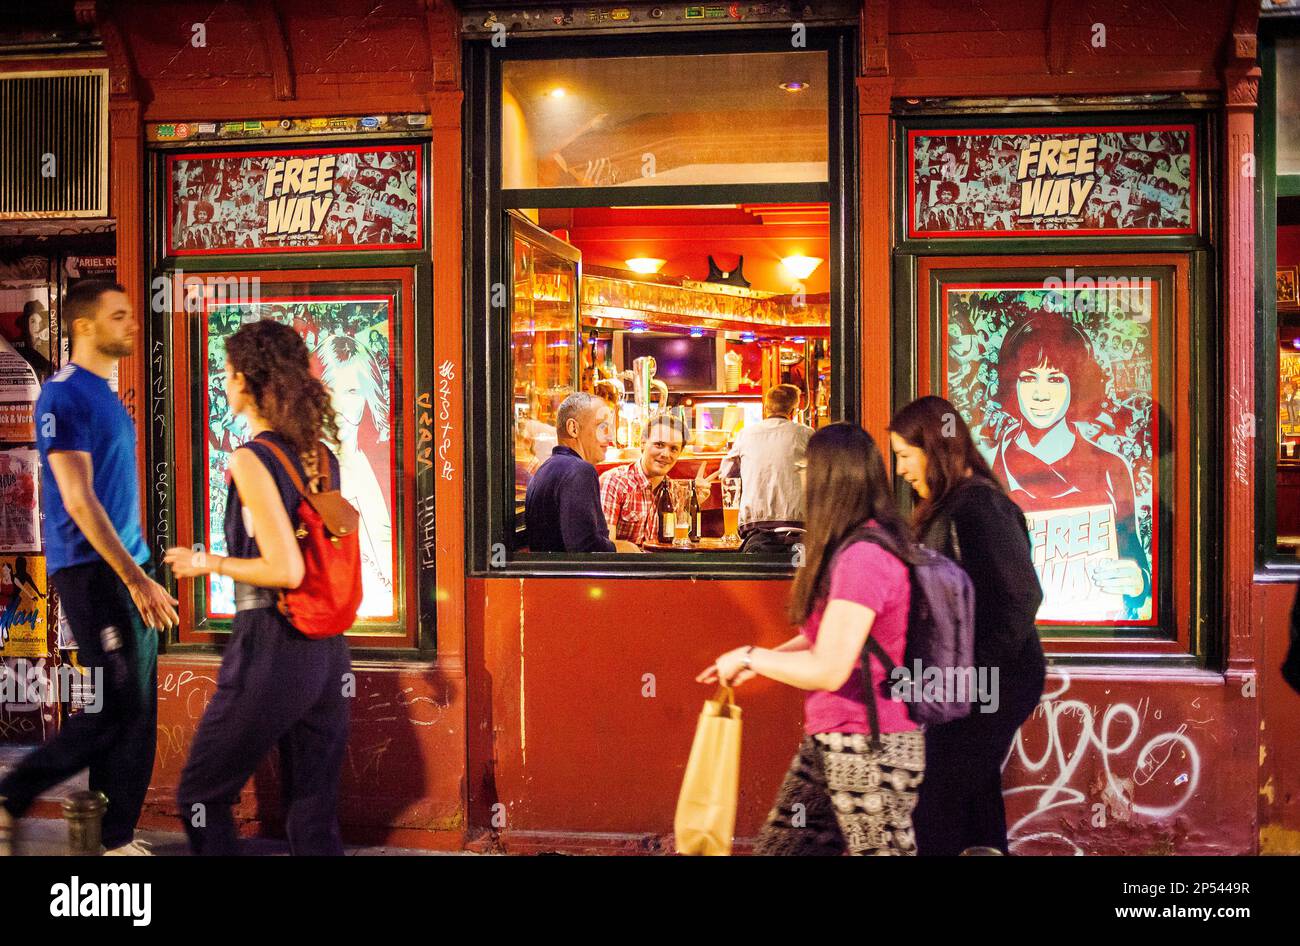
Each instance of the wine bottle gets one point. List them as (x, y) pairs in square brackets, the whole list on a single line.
[(695, 515), (664, 512)]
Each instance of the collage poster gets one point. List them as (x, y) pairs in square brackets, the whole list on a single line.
[(1058, 387), (23, 606), (349, 343), (241, 203), (1089, 180)]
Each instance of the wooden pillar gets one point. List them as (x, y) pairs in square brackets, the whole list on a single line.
[(447, 397), (126, 206), (1241, 84), (875, 236), (126, 187)]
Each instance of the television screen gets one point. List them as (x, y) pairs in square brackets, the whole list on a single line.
[(681, 362)]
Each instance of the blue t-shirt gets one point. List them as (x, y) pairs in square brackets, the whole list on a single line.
[(78, 411)]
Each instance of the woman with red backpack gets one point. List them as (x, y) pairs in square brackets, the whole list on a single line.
[(845, 790), (282, 682), (965, 514)]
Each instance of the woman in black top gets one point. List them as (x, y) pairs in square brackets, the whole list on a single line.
[(960, 803), (277, 688)]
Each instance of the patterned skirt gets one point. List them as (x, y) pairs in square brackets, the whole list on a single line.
[(841, 796)]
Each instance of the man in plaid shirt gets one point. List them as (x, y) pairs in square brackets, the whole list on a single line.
[(627, 493)]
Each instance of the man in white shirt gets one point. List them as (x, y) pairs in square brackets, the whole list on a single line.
[(765, 457)]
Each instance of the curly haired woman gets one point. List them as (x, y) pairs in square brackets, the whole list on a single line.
[(276, 687)]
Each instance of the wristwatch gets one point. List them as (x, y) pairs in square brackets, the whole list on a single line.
[(749, 657)]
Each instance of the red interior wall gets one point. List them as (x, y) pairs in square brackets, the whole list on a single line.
[(1288, 246), (686, 237)]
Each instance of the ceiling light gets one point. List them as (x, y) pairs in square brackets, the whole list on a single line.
[(801, 267), (645, 264), (794, 86), (558, 92)]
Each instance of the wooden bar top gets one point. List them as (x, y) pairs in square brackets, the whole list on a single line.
[(705, 544)]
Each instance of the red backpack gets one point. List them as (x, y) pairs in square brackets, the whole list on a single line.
[(327, 601)]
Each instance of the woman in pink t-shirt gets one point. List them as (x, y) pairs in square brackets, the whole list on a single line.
[(840, 793)]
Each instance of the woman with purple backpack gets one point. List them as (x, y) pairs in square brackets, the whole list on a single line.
[(845, 791), (965, 514)]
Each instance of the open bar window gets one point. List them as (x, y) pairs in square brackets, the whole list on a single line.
[(666, 234), (660, 121)]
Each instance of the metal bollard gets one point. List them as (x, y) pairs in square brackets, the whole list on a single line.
[(84, 812), (980, 851)]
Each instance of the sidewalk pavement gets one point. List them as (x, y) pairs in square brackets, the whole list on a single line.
[(49, 836)]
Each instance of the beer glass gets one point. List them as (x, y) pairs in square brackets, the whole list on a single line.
[(731, 512), (681, 490)]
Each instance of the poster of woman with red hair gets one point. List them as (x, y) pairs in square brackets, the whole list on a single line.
[(1057, 387)]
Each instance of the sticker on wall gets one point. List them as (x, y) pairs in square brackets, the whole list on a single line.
[(1063, 181), (1057, 384), (294, 201)]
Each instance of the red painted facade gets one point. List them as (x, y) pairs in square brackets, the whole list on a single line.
[(558, 711)]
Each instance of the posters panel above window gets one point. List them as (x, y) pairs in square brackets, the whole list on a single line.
[(290, 201), (1077, 181), (1058, 383)]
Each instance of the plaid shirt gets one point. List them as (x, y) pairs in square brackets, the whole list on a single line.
[(628, 503)]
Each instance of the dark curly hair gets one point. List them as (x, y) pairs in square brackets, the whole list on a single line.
[(276, 367)]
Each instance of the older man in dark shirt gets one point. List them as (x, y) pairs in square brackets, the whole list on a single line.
[(562, 505)]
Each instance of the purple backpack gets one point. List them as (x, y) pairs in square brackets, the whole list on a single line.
[(940, 639)]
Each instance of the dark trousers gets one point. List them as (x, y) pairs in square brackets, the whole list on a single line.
[(279, 689), (118, 742), (960, 803)]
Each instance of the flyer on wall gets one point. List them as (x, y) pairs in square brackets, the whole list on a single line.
[(23, 606), (19, 500)]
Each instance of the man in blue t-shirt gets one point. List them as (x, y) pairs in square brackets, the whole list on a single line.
[(96, 557)]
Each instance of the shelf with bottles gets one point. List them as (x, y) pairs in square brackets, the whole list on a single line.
[(622, 295)]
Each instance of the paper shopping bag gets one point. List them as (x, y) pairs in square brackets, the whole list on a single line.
[(706, 808)]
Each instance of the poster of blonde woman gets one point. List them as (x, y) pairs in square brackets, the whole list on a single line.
[(349, 341)]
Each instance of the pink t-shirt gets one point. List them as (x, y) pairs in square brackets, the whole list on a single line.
[(865, 574)]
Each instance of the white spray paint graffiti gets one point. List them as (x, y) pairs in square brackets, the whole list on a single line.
[(1112, 736)]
